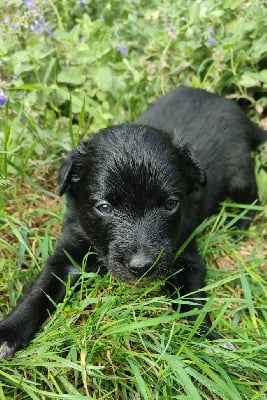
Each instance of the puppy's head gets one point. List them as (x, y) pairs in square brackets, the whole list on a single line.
[(128, 185)]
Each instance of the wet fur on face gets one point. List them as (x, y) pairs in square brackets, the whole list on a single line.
[(144, 178)]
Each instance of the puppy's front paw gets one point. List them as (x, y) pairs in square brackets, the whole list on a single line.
[(6, 350), (11, 338), (221, 340), (228, 345)]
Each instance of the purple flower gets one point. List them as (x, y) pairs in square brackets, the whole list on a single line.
[(49, 31), (211, 41), (40, 26), (123, 50), (6, 20), (15, 26), (29, 3), (3, 98), (84, 4), (210, 38)]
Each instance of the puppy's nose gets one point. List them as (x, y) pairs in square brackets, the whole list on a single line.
[(140, 264)]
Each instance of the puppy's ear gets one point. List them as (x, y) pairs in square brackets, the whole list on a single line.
[(190, 165), (70, 170), (64, 174)]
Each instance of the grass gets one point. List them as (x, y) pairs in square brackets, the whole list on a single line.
[(111, 341), (108, 340)]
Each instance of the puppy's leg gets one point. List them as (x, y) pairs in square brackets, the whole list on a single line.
[(18, 328), (190, 279)]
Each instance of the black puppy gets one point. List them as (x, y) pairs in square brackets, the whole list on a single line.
[(136, 192)]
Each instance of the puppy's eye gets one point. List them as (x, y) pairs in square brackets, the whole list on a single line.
[(104, 208), (171, 204)]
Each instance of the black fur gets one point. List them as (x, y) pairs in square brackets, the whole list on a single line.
[(136, 192)]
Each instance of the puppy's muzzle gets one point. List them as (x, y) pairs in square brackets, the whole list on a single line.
[(140, 265)]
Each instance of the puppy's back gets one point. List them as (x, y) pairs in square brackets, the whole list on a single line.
[(199, 117)]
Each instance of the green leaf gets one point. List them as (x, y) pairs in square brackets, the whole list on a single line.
[(247, 80), (72, 75), (186, 381), (231, 4), (91, 55), (103, 77), (20, 68), (19, 57), (60, 95), (262, 183), (263, 75), (250, 79), (140, 382)]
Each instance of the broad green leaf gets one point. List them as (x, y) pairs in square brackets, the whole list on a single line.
[(72, 75), (247, 80), (23, 67), (103, 77)]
